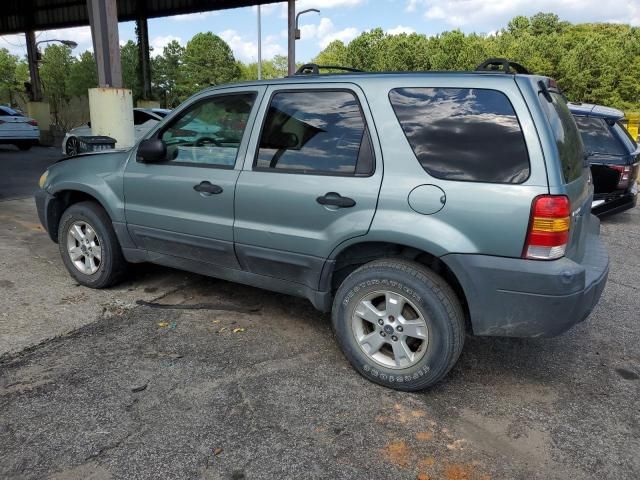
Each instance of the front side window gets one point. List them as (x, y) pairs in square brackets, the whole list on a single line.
[(315, 132), (463, 134), (209, 133), (598, 137)]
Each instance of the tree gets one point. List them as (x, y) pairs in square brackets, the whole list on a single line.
[(83, 75), (208, 60), (334, 54), (8, 65), (130, 68), (166, 73), (54, 71)]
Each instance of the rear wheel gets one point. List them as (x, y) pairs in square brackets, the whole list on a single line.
[(399, 324), (72, 147), (24, 146), (89, 246)]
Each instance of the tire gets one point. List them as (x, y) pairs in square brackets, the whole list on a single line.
[(111, 266), (24, 146), (72, 147), (428, 300)]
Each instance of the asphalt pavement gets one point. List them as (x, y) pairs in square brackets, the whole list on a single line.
[(20, 171), (172, 375)]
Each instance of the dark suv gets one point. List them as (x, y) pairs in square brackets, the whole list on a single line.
[(414, 206), (613, 155)]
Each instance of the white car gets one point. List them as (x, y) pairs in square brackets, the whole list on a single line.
[(143, 120), (16, 129)]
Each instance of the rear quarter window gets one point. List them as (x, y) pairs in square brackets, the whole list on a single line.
[(566, 134), (463, 134)]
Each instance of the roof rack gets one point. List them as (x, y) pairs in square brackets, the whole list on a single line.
[(494, 64), (314, 69)]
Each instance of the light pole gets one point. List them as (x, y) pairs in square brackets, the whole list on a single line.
[(294, 32), (259, 45), (298, 18), (66, 43)]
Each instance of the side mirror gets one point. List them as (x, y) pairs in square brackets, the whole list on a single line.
[(152, 150), (89, 124)]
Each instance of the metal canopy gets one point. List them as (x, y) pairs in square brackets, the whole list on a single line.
[(19, 16)]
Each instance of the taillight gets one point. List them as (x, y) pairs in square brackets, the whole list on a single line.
[(625, 175), (33, 122), (549, 224)]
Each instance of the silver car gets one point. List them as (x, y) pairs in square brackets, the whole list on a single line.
[(18, 130), (143, 120)]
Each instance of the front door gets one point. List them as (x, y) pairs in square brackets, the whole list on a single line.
[(310, 182), (183, 207)]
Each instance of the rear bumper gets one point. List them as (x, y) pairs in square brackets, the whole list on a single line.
[(526, 298), (616, 205)]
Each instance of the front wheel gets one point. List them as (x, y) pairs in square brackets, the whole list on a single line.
[(89, 246), (399, 324), (72, 147), (24, 146)]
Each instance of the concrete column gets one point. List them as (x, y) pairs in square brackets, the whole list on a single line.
[(291, 16), (111, 111), (142, 31), (32, 58), (103, 16)]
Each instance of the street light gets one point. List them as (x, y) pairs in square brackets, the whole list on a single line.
[(298, 17), (66, 43)]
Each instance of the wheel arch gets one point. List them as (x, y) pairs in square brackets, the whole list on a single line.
[(63, 199), (354, 255)]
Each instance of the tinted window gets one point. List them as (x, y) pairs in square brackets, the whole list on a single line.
[(140, 117), (619, 127), (566, 134), (597, 136), (314, 132), (463, 134), (210, 132)]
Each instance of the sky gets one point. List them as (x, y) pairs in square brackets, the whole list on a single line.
[(344, 20)]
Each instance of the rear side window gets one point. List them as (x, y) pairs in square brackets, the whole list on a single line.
[(597, 136), (315, 132), (566, 134), (463, 134)]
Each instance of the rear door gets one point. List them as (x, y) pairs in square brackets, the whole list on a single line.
[(311, 180)]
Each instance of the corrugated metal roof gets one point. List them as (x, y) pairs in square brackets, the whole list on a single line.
[(18, 16)]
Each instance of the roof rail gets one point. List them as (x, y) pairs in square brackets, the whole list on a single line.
[(314, 69), (494, 64)]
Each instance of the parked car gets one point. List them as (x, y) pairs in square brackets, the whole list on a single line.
[(613, 154), (143, 120), (17, 129), (412, 206)]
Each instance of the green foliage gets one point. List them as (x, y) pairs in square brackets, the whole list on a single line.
[(165, 72), (54, 72), (9, 80), (597, 63), (207, 61), (83, 75), (130, 68)]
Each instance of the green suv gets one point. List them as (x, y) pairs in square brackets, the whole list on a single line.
[(414, 207)]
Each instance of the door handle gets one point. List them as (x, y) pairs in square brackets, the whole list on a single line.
[(207, 188), (334, 199)]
